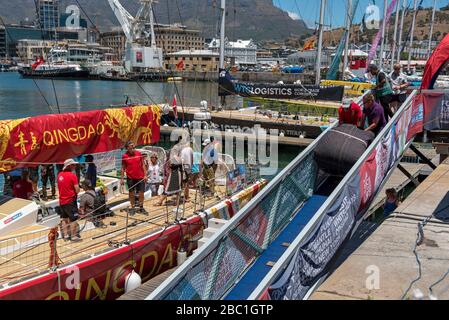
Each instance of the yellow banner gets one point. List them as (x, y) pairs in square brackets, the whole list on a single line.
[(351, 88)]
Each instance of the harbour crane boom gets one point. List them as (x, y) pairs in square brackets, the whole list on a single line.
[(124, 17)]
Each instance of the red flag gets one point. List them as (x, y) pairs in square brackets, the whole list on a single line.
[(39, 61), (175, 107), (180, 65)]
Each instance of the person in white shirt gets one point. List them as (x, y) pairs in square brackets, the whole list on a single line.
[(154, 175), (187, 163), (399, 85)]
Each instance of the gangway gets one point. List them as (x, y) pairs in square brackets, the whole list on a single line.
[(282, 242)]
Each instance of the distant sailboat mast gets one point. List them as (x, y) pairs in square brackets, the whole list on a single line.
[(415, 8), (222, 33), (222, 43), (395, 35), (320, 43), (382, 43), (348, 37), (431, 26), (401, 30)]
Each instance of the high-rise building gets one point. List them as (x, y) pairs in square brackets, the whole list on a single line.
[(49, 14)]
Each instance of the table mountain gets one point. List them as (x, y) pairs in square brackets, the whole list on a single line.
[(257, 19)]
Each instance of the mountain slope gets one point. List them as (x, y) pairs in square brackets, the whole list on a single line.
[(257, 19)]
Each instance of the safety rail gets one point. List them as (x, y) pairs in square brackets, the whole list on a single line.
[(305, 263), (32, 253), (215, 267)]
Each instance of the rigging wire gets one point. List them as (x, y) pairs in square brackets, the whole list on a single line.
[(164, 49), (43, 38)]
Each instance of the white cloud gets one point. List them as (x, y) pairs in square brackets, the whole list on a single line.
[(293, 15)]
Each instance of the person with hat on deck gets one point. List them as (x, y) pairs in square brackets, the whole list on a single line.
[(88, 208), (134, 166), (350, 113), (68, 193)]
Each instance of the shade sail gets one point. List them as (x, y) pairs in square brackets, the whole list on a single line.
[(435, 64)]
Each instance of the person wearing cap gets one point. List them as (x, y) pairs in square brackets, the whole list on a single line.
[(350, 113), (87, 205), (154, 174), (68, 193), (383, 91), (374, 113), (134, 166)]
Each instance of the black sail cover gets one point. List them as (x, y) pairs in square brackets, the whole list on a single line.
[(229, 86)]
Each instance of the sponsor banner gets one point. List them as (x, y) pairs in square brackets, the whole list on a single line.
[(228, 86), (55, 138), (323, 243), (351, 88), (367, 181), (312, 259), (417, 121), (436, 106)]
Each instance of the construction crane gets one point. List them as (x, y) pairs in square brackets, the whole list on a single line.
[(139, 56)]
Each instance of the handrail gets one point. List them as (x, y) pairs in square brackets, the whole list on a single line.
[(205, 250), (285, 259)]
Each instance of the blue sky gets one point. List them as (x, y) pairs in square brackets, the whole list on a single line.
[(308, 10)]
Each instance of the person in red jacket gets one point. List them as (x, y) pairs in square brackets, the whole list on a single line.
[(68, 194), (134, 166), (23, 188), (350, 113)]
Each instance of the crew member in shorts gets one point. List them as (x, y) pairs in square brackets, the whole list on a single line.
[(68, 193)]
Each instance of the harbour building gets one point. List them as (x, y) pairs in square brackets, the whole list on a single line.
[(12, 34), (171, 38), (192, 60), (244, 52)]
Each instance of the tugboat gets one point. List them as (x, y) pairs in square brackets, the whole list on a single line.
[(55, 67)]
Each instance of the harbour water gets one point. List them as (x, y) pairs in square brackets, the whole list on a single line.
[(24, 98)]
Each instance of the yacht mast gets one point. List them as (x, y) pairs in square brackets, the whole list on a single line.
[(348, 35), (222, 34), (382, 44), (431, 26), (401, 30), (415, 8), (320, 43), (395, 35)]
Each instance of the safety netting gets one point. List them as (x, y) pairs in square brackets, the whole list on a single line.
[(237, 249)]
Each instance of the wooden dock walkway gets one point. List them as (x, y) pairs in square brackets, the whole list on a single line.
[(379, 262)]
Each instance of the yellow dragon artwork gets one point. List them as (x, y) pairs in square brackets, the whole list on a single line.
[(123, 126)]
